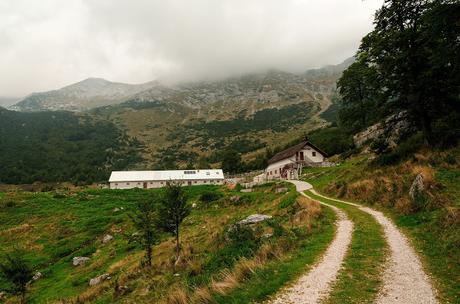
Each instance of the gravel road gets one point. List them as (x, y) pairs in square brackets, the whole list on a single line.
[(316, 284), (404, 280)]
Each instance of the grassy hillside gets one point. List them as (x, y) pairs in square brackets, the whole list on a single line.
[(432, 219), (54, 227)]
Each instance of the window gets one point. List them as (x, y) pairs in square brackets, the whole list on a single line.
[(301, 155), (151, 183), (161, 183), (116, 184), (313, 153), (208, 173), (127, 184), (138, 183), (276, 171), (196, 182), (190, 172)]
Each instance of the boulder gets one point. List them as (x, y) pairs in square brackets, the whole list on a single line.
[(79, 261), (116, 209), (281, 190), (254, 218), (246, 190), (417, 186), (107, 238), (99, 279), (37, 276), (235, 199)]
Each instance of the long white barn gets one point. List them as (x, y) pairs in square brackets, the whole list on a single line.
[(158, 179)]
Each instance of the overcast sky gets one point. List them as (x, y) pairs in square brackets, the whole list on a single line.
[(47, 44)]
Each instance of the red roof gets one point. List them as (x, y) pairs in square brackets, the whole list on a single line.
[(292, 151)]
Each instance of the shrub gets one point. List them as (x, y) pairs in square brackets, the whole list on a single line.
[(288, 199), (241, 234), (209, 196), (404, 150)]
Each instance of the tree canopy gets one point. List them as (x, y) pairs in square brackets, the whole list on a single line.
[(409, 62)]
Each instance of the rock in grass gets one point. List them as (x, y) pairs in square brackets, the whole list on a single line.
[(254, 218), (37, 276), (281, 190), (235, 199), (99, 279), (417, 186), (79, 261), (107, 238), (246, 190)]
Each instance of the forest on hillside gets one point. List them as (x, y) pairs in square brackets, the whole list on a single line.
[(60, 146)]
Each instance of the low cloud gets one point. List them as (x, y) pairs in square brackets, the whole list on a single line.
[(51, 43)]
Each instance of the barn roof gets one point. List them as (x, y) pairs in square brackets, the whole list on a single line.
[(292, 151), (165, 175)]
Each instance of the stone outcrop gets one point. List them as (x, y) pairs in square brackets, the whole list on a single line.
[(390, 130), (80, 261), (254, 218), (417, 186), (99, 279), (107, 238)]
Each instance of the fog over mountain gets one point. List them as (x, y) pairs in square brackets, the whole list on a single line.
[(51, 43)]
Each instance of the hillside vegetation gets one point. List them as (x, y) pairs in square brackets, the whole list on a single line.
[(53, 227), (431, 218), (60, 146)]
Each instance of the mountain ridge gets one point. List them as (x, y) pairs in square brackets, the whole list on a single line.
[(95, 92)]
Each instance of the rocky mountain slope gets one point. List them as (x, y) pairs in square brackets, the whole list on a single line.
[(83, 95), (178, 124)]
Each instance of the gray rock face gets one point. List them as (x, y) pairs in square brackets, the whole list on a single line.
[(417, 186), (99, 279), (107, 238), (79, 261), (254, 218), (391, 129)]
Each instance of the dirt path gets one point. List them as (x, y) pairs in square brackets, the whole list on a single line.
[(404, 278), (315, 285)]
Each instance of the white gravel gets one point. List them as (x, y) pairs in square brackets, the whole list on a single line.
[(404, 280), (315, 285)]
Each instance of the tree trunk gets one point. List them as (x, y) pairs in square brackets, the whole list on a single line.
[(177, 243), (149, 256)]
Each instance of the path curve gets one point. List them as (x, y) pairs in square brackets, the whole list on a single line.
[(404, 280), (315, 285)]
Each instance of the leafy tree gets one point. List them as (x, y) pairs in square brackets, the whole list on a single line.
[(411, 61), (358, 87), (231, 161), (144, 219), (173, 210), (17, 271)]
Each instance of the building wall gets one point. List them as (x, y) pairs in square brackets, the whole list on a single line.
[(159, 184), (273, 170), (310, 155)]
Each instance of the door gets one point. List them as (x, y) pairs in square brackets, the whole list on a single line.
[(145, 185), (189, 183), (301, 155)]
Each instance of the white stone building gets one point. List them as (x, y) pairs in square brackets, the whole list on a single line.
[(158, 179), (288, 164)]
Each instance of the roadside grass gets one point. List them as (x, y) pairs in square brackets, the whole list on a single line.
[(276, 274), (53, 227), (434, 228), (360, 279)]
